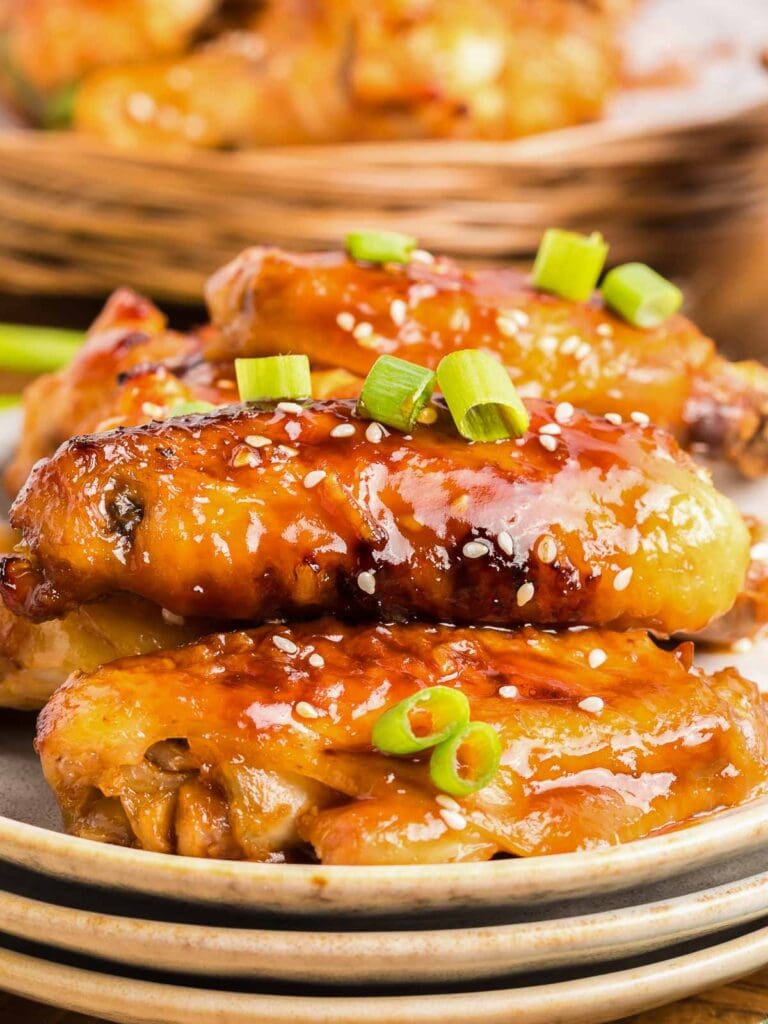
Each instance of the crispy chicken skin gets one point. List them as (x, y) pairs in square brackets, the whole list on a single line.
[(237, 747), (256, 512), (36, 657), (131, 369), (267, 299), (338, 70), (49, 44)]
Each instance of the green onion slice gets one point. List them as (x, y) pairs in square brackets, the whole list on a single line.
[(380, 246), (640, 295), (569, 264), (483, 400), (59, 108), (422, 720), (395, 391), (186, 408), (9, 401), (467, 760), (27, 349), (273, 378)]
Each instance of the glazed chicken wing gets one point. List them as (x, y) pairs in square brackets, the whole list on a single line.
[(345, 313), (338, 70), (253, 744), (131, 369), (257, 512)]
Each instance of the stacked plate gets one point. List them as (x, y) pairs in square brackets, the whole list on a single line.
[(585, 937)]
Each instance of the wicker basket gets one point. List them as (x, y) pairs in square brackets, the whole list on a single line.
[(685, 188)]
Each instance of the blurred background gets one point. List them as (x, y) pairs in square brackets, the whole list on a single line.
[(145, 142)]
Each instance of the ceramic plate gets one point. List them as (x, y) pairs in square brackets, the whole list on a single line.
[(29, 837), (581, 998), (381, 957)]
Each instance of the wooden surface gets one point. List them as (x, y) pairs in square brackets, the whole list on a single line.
[(743, 1002)]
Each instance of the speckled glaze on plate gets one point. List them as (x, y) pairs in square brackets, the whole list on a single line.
[(585, 999), (389, 957)]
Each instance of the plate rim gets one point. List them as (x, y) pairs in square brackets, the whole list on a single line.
[(310, 888), (481, 951), (603, 997)]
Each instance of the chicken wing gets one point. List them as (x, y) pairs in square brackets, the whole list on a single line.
[(252, 744), (49, 44), (338, 70), (131, 369), (256, 512), (344, 313)]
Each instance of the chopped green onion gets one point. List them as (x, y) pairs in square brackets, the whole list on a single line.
[(273, 378), (395, 391), (186, 408), (467, 760), (59, 108), (569, 264), (9, 401), (640, 295), (27, 349), (483, 400), (422, 720), (380, 246)]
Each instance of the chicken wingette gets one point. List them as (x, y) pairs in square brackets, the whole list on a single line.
[(338, 70), (254, 512), (344, 313), (258, 744)]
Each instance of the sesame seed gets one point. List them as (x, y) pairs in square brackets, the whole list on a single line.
[(604, 330), (642, 419), (427, 415), (507, 326), (505, 542), (367, 582), (151, 409), (343, 430), (286, 450), (759, 552), (257, 441), (459, 320), (621, 579), (374, 433), (547, 549), (141, 107), (314, 478), (244, 457), (564, 412), (583, 350), (742, 645), (548, 442), (592, 704), (448, 802), (597, 657), (282, 643), (398, 310), (509, 692), (548, 344), (475, 549), (614, 418), (172, 618), (345, 320), (551, 428), (362, 330), (422, 256), (454, 820), (570, 345), (316, 660), (525, 594), (306, 710), (290, 407)]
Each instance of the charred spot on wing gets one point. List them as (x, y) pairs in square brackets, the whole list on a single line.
[(124, 512)]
